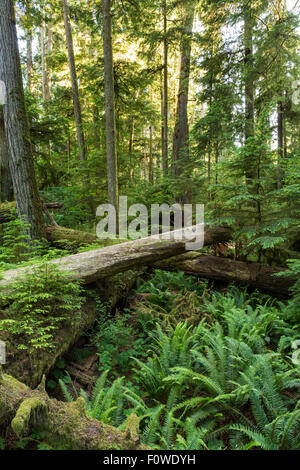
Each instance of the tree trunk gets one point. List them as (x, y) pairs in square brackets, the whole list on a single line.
[(280, 137), (6, 191), (111, 153), (29, 60), (45, 78), (165, 104), (16, 125), (151, 179), (74, 82), (249, 85), (228, 270), (181, 132), (96, 127)]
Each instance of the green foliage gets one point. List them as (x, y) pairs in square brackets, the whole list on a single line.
[(174, 298), (16, 246), (117, 341), (293, 310), (40, 303), (226, 383)]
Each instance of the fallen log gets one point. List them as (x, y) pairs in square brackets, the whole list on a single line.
[(230, 271), (91, 266), (8, 210), (105, 262), (58, 236), (63, 425), (62, 237)]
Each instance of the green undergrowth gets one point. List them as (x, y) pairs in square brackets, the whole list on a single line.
[(220, 377), (38, 304)]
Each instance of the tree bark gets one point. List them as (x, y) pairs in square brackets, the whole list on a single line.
[(181, 131), (228, 270), (6, 191), (16, 125), (111, 152), (74, 82)]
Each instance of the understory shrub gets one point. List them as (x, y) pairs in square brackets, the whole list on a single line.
[(37, 304)]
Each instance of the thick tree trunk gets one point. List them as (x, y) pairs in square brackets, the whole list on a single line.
[(63, 425), (228, 270), (111, 152), (74, 82), (181, 131), (16, 125), (6, 188)]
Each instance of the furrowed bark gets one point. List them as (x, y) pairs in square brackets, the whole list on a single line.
[(16, 125), (6, 188), (181, 132)]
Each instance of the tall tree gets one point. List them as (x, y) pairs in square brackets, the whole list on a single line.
[(16, 125), (249, 81), (111, 152), (6, 192), (74, 82), (165, 102), (181, 132), (46, 38), (29, 40)]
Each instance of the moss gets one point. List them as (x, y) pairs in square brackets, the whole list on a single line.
[(31, 411), (132, 427), (64, 425)]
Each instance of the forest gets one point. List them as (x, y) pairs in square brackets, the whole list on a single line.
[(112, 339)]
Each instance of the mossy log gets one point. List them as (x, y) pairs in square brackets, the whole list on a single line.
[(229, 270), (56, 235), (63, 425), (62, 237), (30, 365), (105, 262)]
